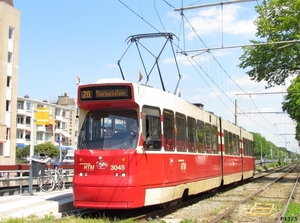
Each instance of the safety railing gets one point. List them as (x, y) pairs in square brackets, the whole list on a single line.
[(18, 175)]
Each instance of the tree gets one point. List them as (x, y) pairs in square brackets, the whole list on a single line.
[(291, 103), (47, 148), (268, 149), (278, 21), (22, 152), (259, 143)]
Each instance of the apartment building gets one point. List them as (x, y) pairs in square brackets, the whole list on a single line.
[(62, 129), (9, 52), (16, 113)]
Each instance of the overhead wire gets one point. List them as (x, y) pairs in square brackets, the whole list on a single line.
[(141, 17), (183, 17), (219, 64), (155, 7), (215, 59)]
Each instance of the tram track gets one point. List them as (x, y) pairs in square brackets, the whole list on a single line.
[(212, 206), (268, 200), (235, 204), (230, 202)]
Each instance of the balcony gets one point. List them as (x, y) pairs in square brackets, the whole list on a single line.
[(21, 126), (58, 118), (21, 112), (20, 141), (41, 128)]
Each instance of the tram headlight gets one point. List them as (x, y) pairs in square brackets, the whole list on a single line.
[(123, 174), (83, 174), (116, 175)]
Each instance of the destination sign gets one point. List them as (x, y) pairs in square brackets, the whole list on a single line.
[(105, 93)]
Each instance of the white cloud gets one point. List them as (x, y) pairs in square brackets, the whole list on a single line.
[(214, 20), (246, 81)]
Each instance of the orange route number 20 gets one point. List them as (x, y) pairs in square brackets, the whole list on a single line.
[(86, 94)]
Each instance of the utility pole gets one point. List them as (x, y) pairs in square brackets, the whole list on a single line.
[(235, 113), (31, 150), (286, 149), (261, 152)]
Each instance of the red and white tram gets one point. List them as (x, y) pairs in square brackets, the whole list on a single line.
[(140, 146)]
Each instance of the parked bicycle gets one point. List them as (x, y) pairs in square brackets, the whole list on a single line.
[(53, 178)]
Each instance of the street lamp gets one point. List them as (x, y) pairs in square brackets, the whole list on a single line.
[(261, 159), (286, 149)]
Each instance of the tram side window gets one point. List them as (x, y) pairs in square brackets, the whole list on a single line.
[(168, 127), (226, 141), (208, 138), (200, 137), (245, 147), (181, 132), (238, 150), (235, 144), (231, 144), (248, 147), (214, 136), (191, 134), (151, 127)]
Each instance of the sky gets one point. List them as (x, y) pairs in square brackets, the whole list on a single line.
[(62, 39)]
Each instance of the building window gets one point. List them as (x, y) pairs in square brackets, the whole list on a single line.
[(28, 106), (48, 136), (20, 104), (65, 113), (8, 105), (11, 33), (64, 125), (20, 134), (58, 112), (40, 136), (20, 119), (27, 136), (10, 57), (7, 133), (28, 120), (8, 82)]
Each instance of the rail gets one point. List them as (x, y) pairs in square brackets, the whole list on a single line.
[(17, 175), (23, 168), (229, 210)]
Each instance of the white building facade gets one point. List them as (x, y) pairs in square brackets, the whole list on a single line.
[(9, 53), (62, 130)]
